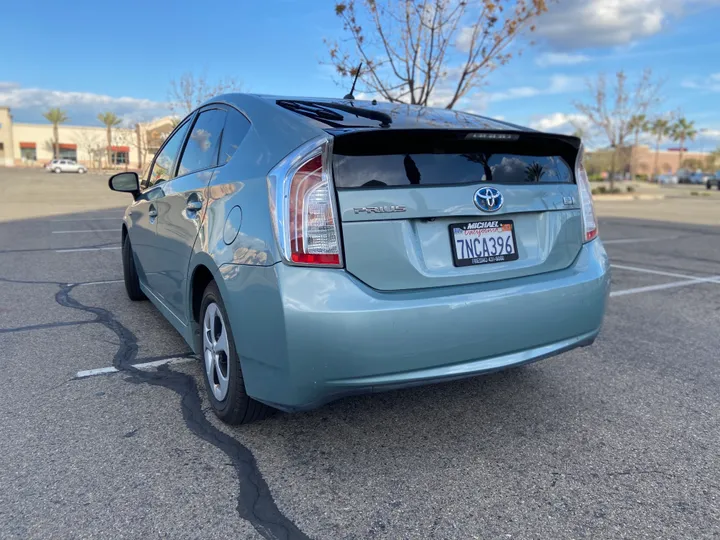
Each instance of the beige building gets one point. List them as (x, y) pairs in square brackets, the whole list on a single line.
[(668, 161), (32, 145), (644, 160)]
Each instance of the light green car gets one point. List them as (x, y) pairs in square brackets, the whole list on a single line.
[(310, 249)]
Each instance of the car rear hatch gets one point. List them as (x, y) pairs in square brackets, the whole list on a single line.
[(411, 215)]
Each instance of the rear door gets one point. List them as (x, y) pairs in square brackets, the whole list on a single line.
[(181, 205), (428, 208)]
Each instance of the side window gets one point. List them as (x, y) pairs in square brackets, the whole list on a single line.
[(236, 127), (201, 150), (162, 169)]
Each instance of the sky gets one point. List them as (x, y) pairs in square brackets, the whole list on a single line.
[(95, 57)]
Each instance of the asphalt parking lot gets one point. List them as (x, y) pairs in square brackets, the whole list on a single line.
[(618, 440)]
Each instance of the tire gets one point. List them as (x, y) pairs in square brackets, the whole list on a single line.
[(81, 171), (57, 170), (132, 281), (221, 365)]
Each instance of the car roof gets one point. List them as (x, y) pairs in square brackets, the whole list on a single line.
[(403, 116)]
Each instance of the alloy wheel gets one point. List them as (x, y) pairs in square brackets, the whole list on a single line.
[(216, 351)]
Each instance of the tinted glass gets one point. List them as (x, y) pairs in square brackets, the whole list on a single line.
[(163, 167), (236, 127), (203, 144), (448, 169)]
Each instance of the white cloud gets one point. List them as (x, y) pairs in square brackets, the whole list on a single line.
[(579, 24), (463, 39), (560, 59), (558, 84), (560, 122), (709, 84), (28, 104)]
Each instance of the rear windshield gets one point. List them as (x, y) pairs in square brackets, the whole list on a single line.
[(353, 171)]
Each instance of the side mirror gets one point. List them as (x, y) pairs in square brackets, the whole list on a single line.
[(127, 182)]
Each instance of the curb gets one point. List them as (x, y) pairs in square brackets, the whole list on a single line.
[(627, 197)]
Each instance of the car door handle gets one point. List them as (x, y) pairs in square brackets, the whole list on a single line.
[(152, 212), (194, 205)]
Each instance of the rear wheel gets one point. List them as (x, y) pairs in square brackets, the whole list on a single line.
[(223, 376), (82, 171), (132, 281)]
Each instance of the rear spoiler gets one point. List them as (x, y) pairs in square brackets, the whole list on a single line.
[(363, 142)]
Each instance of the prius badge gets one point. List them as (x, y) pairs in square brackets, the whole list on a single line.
[(380, 209)]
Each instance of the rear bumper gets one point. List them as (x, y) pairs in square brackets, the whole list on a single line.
[(308, 336)]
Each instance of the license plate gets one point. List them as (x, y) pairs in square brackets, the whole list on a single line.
[(483, 242)]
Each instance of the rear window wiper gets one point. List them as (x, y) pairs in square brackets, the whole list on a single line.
[(311, 110), (384, 118), (324, 110)]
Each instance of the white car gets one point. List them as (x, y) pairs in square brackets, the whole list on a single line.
[(65, 165), (667, 179)]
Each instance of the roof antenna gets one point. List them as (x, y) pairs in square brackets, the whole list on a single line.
[(350, 95)]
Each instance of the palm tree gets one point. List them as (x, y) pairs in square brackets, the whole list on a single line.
[(638, 124), (109, 120), (534, 172), (681, 131), (56, 117), (659, 128)]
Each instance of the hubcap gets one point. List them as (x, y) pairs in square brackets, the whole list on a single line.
[(216, 351)]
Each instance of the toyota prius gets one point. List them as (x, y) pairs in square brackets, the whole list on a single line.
[(309, 249)]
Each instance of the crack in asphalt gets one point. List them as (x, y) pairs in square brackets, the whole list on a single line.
[(255, 502)]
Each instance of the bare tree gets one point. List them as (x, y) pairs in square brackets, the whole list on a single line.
[(418, 52), (190, 90), (611, 110), (92, 144)]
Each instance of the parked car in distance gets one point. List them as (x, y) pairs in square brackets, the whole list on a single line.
[(65, 165), (713, 181), (699, 177), (309, 249), (667, 179)]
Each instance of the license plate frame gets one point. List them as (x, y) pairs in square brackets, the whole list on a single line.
[(489, 259)]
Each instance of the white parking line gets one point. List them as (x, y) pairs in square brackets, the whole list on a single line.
[(686, 280), (87, 219), (85, 231), (75, 250), (662, 286), (659, 272), (633, 240), (146, 365)]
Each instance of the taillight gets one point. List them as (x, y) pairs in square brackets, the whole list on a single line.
[(590, 226), (302, 203)]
